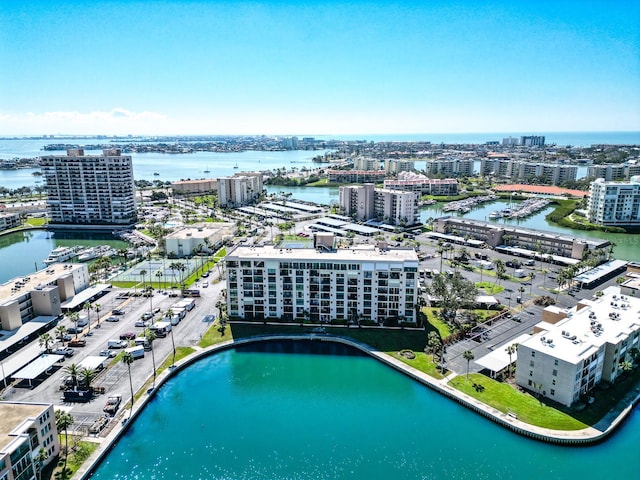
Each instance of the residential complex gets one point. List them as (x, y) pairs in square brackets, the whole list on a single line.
[(203, 185), (615, 203), (43, 293), (422, 185), (532, 141), (9, 220), (573, 350), (206, 238), (536, 241), (90, 190), (517, 170), (25, 429), (322, 284), (356, 176), (365, 163), (455, 167), (394, 167), (366, 202), (239, 190)]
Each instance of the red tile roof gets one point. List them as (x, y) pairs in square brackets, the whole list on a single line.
[(542, 189)]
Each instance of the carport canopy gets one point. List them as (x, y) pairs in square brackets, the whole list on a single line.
[(498, 359), (37, 367)]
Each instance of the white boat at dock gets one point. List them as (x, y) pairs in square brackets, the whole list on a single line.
[(61, 254), (95, 252)]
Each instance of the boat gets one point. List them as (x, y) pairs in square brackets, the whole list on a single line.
[(236, 165), (494, 215), (156, 174), (61, 254), (207, 170), (95, 252)]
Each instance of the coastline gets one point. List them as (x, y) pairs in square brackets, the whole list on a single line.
[(588, 436)]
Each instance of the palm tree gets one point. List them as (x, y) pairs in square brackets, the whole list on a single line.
[(88, 307), (63, 421), (150, 336), (96, 307), (45, 341), (73, 371), (168, 314), (544, 281), (468, 356), (60, 331), (434, 344), (127, 359), (87, 375), (39, 460), (159, 275), (74, 317), (142, 274), (123, 254), (500, 269), (511, 349)]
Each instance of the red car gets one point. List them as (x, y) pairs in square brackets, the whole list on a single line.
[(128, 336)]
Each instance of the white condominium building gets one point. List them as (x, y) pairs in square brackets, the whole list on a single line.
[(455, 167), (25, 429), (518, 170), (364, 283), (393, 167), (572, 350), (615, 203), (363, 163), (90, 190), (239, 190), (392, 206)]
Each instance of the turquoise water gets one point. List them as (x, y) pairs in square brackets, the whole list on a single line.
[(285, 411)]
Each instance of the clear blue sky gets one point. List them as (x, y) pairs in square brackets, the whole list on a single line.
[(332, 67)]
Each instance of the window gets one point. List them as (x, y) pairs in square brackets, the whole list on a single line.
[(553, 382), (531, 363), (555, 362), (553, 392), (531, 373), (555, 372), (533, 354)]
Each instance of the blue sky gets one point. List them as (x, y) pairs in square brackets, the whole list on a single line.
[(332, 67)]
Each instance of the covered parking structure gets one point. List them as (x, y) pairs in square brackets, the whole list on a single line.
[(600, 274), (84, 296), (36, 368), (498, 360)]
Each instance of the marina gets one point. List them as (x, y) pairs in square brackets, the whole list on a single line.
[(465, 206), (61, 254), (523, 210)]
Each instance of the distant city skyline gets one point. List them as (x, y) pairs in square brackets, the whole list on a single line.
[(318, 68)]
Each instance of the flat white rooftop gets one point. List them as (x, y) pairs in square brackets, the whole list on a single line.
[(357, 254), (606, 319), (26, 283)]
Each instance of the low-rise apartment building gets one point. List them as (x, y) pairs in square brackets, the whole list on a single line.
[(495, 235), (197, 239), (356, 176), (518, 170), (25, 429), (363, 163), (615, 203), (573, 350), (422, 185), (9, 220), (195, 186), (394, 167), (322, 284)]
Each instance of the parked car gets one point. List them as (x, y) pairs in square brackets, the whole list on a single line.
[(107, 353), (128, 336), (113, 318), (147, 316), (156, 310), (117, 311), (112, 405), (74, 330), (143, 323), (66, 351), (79, 342), (205, 284), (205, 274)]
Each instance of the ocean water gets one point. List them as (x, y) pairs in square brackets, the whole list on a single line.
[(314, 410)]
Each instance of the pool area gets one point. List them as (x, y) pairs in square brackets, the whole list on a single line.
[(316, 409)]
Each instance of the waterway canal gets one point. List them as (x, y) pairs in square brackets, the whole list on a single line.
[(322, 411)]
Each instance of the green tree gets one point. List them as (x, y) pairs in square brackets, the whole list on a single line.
[(468, 356), (61, 330), (46, 340), (39, 460), (87, 376), (500, 269), (511, 350), (142, 274), (63, 421), (452, 292), (88, 307), (168, 315), (151, 336), (127, 359), (74, 317), (73, 371)]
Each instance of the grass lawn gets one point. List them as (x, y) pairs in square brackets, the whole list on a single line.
[(213, 336), (432, 317), (490, 288), (79, 452), (505, 398), (36, 222), (422, 362)]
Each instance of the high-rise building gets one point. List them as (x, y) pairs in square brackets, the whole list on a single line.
[(615, 203), (392, 206), (532, 141), (393, 166), (322, 284), (454, 167), (239, 190), (364, 163), (90, 190)]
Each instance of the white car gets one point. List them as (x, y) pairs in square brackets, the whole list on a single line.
[(66, 351), (107, 353), (143, 323)]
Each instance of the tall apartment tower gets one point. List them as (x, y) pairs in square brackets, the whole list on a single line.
[(239, 190), (90, 190), (366, 202), (615, 203)]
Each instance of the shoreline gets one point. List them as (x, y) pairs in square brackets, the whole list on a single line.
[(584, 437)]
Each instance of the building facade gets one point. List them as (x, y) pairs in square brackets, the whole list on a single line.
[(195, 186), (25, 429), (518, 170), (615, 203), (573, 350), (356, 176), (9, 220), (363, 163), (90, 190), (455, 167), (322, 284), (532, 141), (366, 202), (495, 235), (394, 167), (239, 190), (197, 239)]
